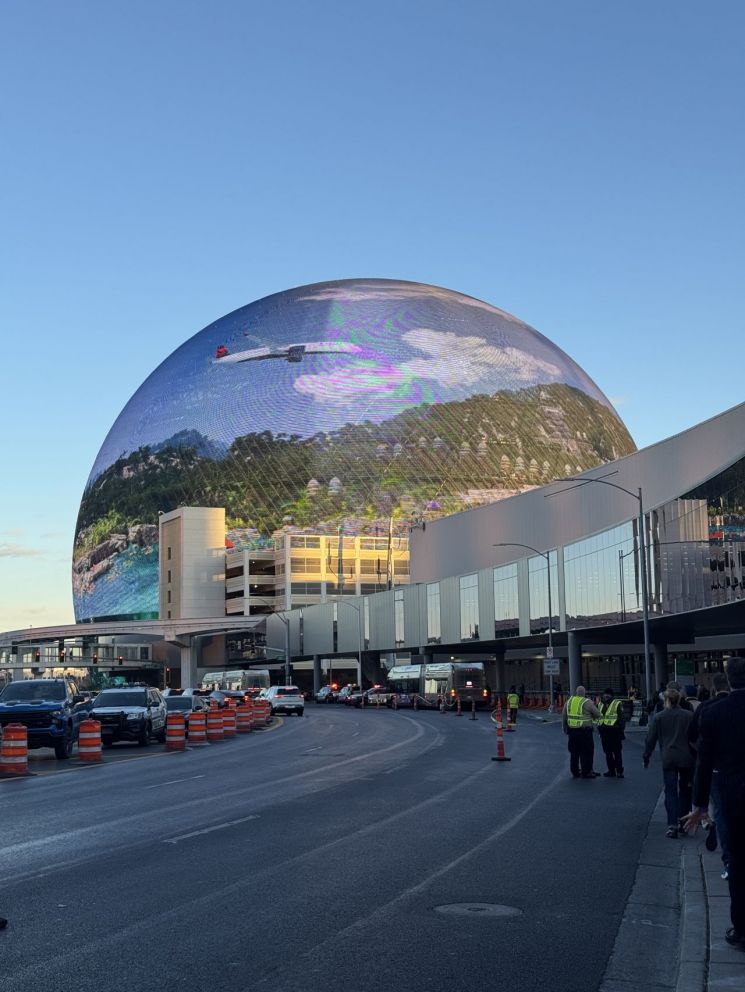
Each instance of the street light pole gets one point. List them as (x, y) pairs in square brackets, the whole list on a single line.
[(344, 602), (638, 496), (546, 555)]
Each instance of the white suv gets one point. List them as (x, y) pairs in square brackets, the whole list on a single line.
[(285, 699)]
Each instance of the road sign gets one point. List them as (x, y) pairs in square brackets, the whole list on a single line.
[(550, 651), (551, 666)]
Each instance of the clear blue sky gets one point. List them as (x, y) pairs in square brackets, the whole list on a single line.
[(578, 163)]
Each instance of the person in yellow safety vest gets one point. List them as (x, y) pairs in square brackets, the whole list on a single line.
[(611, 726), (513, 701), (578, 719)]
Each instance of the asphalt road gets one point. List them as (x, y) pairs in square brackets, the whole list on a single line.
[(324, 854)]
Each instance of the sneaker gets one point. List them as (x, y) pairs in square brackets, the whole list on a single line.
[(619, 774), (609, 774), (725, 875), (671, 832), (734, 939), (711, 837)]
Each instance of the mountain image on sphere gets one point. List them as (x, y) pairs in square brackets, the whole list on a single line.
[(342, 404)]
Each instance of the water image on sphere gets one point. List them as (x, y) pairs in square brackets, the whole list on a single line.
[(359, 405)]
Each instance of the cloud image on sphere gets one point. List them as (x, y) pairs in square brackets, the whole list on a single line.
[(361, 405)]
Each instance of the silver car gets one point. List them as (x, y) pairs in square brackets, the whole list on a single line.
[(286, 699)]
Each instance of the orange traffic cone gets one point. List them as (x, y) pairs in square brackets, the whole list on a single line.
[(501, 756)]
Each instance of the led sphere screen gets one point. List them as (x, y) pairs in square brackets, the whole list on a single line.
[(360, 406)]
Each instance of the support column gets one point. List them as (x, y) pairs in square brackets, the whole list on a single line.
[(188, 664), (316, 673), (499, 685), (660, 665), (575, 661)]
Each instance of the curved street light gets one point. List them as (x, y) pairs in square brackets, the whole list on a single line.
[(638, 496)]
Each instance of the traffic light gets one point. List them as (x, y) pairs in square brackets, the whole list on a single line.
[(94, 659), (120, 660), (61, 654), (37, 655)]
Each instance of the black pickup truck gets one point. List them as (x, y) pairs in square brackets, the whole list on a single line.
[(50, 709)]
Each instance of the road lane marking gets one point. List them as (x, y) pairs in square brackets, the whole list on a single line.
[(209, 830), (175, 781), (260, 787)]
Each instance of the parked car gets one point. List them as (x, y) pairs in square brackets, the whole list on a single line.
[(286, 699), (379, 695), (186, 705), (326, 694), (130, 713), (344, 692), (50, 709)]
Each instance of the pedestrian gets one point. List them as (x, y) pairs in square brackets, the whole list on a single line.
[(721, 746), (685, 703), (717, 827), (513, 701), (577, 720), (611, 727), (669, 729)]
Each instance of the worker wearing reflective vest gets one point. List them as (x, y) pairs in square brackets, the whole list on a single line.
[(578, 718), (513, 701), (611, 726)]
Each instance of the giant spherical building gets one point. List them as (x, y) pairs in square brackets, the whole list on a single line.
[(338, 405)]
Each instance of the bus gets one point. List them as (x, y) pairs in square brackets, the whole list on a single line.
[(448, 680)]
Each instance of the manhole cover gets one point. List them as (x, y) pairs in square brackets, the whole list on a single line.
[(477, 909)]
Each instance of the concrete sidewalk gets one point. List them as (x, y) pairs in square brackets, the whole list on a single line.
[(671, 937)]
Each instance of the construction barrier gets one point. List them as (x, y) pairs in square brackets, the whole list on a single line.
[(262, 712), (175, 731), (473, 710), (394, 700), (228, 722), (89, 741), (243, 716), (198, 728), (215, 730), (14, 750), (457, 707), (500, 756)]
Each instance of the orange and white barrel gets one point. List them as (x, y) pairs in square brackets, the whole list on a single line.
[(89, 741), (14, 750), (198, 728), (243, 718), (261, 712), (175, 731), (228, 722), (215, 730)]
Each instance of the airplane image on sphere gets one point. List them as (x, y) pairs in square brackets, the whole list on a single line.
[(289, 352)]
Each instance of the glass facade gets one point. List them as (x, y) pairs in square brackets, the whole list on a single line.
[(602, 581), (469, 607), (506, 606), (538, 576), (434, 630)]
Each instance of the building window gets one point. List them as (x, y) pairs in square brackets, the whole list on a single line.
[(169, 554), (398, 613), (169, 575), (506, 611), (169, 614), (469, 607), (434, 631), (366, 610), (538, 584), (312, 565), (169, 595)]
